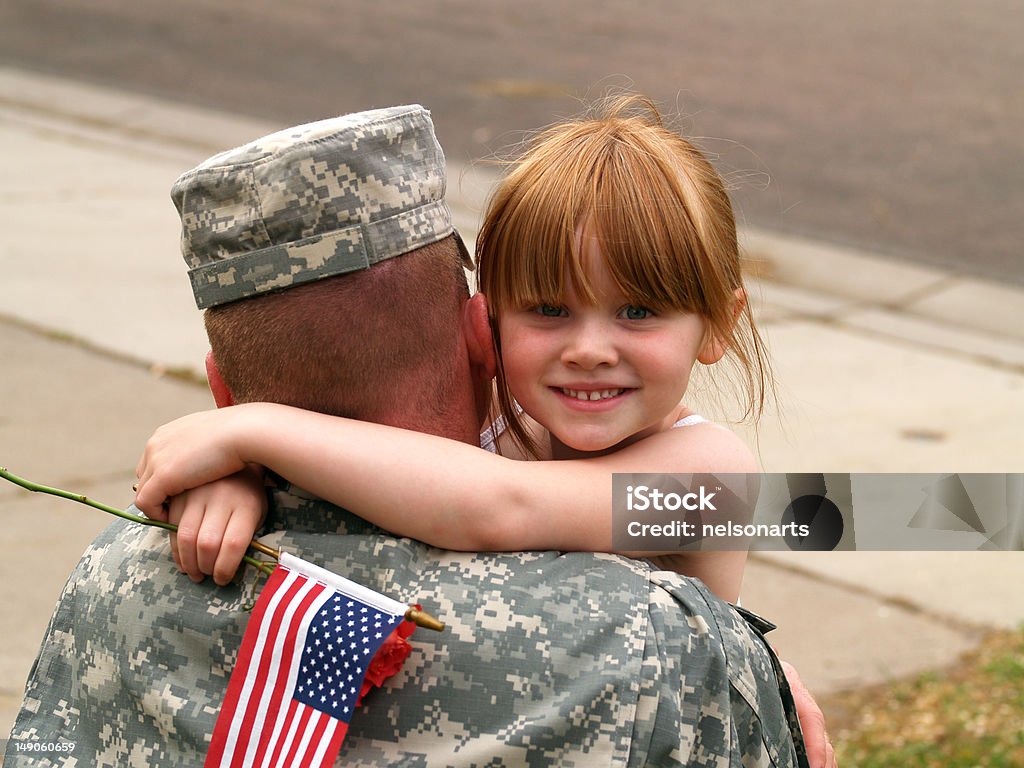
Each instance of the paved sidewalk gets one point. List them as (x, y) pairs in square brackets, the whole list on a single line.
[(881, 366)]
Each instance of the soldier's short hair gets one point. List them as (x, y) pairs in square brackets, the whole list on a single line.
[(379, 345)]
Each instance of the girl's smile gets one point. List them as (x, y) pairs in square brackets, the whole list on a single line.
[(590, 400), (585, 395)]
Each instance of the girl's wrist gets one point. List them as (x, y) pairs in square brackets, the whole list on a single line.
[(267, 433), (246, 429)]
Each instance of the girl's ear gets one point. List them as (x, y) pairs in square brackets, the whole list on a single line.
[(714, 347), (221, 394), (712, 350), (476, 326)]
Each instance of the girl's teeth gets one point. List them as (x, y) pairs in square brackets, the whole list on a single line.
[(592, 395)]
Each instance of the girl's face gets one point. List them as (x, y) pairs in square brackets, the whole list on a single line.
[(599, 376)]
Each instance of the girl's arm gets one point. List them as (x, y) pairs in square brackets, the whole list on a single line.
[(440, 491)]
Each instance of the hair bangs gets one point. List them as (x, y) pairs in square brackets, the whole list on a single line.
[(529, 235), (640, 219)]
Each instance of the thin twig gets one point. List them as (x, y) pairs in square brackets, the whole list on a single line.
[(28, 485)]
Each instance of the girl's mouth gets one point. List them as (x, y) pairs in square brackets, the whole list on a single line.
[(591, 394)]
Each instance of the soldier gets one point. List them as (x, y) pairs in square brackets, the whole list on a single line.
[(333, 280)]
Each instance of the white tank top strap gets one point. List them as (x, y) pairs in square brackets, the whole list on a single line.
[(489, 437), (689, 421)]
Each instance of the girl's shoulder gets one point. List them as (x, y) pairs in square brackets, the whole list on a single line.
[(696, 444)]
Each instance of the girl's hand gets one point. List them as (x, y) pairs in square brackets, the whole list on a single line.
[(186, 453), (215, 523)]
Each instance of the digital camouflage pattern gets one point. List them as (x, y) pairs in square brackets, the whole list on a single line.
[(310, 202), (548, 659)]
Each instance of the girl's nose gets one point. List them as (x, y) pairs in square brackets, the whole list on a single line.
[(589, 345)]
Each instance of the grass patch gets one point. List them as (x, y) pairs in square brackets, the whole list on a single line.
[(969, 715)]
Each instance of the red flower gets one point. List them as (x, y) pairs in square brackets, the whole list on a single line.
[(388, 659)]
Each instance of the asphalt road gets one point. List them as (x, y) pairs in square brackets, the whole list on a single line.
[(893, 126)]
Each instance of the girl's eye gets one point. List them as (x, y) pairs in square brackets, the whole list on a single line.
[(633, 312), (549, 310)]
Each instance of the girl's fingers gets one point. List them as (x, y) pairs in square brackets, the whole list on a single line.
[(234, 543), (188, 518), (210, 538), (155, 513), (174, 551), (144, 499)]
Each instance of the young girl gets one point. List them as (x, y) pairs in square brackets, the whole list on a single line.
[(609, 261)]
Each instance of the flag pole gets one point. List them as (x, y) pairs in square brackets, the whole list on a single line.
[(416, 615)]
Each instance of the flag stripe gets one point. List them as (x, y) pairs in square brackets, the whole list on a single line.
[(290, 669), (268, 599), (305, 713), (248, 722), (248, 678), (314, 730), (336, 738), (323, 740), (255, 679), (283, 668), (289, 724)]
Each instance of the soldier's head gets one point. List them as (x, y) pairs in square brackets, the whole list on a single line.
[(332, 278)]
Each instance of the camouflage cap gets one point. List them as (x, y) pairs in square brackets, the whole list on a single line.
[(313, 201)]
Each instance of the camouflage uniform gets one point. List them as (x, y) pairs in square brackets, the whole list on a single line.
[(548, 659)]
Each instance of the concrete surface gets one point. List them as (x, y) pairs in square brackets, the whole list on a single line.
[(881, 367)]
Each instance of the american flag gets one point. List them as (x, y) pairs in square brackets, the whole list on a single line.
[(305, 652)]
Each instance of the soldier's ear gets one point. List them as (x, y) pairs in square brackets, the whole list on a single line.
[(221, 394), (476, 328)]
